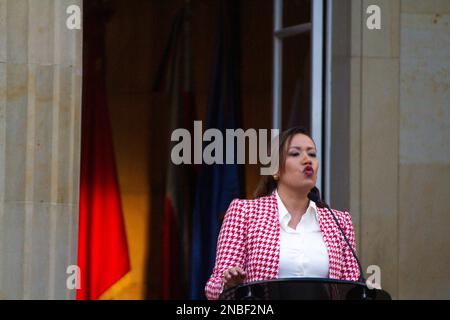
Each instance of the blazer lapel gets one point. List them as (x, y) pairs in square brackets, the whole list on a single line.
[(275, 230), (264, 237), (331, 237), (330, 233)]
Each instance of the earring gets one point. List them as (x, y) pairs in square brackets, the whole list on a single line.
[(275, 177)]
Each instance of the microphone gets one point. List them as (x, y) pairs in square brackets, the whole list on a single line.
[(314, 195)]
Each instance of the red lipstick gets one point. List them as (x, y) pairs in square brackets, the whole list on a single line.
[(308, 171)]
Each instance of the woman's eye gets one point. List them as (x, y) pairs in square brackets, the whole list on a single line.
[(294, 154), (312, 155)]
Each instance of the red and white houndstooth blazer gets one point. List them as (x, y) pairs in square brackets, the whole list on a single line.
[(250, 238)]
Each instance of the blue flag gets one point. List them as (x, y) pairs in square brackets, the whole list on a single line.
[(217, 184)]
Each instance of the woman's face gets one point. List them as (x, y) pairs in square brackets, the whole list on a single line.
[(301, 164)]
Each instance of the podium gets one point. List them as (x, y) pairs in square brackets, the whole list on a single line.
[(304, 289)]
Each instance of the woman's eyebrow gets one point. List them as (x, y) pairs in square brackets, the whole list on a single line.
[(300, 148)]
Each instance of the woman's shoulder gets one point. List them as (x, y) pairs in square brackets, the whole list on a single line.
[(340, 213), (249, 207), (256, 202), (344, 217)]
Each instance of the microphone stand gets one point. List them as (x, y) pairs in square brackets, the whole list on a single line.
[(361, 278), (314, 195)]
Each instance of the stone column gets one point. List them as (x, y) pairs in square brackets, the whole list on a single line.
[(424, 160), (40, 121), (374, 137), (400, 149)]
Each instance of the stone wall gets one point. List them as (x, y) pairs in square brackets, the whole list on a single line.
[(40, 108), (400, 144)]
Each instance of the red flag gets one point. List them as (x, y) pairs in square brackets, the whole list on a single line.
[(102, 245)]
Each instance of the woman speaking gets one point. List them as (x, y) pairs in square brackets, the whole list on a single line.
[(282, 233)]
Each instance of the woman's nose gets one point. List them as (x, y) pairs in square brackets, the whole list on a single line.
[(305, 159)]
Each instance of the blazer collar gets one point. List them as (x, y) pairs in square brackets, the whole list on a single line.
[(321, 213)]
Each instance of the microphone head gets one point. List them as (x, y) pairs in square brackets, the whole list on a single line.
[(314, 195)]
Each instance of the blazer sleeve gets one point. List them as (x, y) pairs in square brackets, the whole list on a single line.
[(350, 269), (230, 247)]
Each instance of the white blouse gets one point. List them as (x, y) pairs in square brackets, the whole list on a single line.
[(303, 252)]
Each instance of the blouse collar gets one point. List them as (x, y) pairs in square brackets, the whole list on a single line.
[(282, 210)]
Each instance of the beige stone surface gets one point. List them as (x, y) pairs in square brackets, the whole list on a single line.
[(341, 17), (379, 167), (15, 131), (356, 28), (41, 31), (355, 145), (424, 224), (425, 7), (2, 127), (40, 120), (425, 89), (16, 31), (400, 181), (384, 42), (424, 189), (69, 51), (3, 50)]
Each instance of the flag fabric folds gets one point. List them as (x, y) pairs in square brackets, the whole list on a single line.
[(103, 256), (174, 76), (218, 184)]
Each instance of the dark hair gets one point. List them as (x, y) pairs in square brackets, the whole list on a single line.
[(267, 184)]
